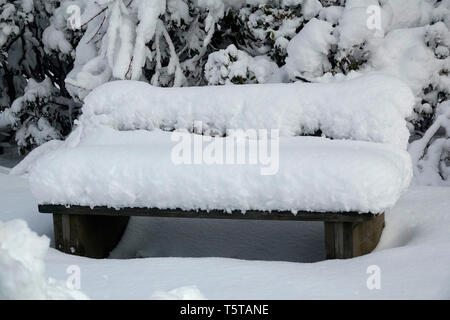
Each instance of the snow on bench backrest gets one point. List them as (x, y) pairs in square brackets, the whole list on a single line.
[(368, 108)]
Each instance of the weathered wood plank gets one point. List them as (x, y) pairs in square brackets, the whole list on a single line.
[(88, 236), (339, 240), (345, 240), (367, 234), (212, 214)]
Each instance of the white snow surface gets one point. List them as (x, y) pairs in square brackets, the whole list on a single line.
[(136, 169), (370, 108), (22, 268), (414, 241)]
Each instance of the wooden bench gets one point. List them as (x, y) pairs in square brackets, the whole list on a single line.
[(95, 232), (362, 165)]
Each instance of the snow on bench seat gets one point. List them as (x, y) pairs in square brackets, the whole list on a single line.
[(118, 156), (315, 174)]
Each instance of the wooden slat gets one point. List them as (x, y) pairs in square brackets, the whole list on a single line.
[(89, 236), (339, 240), (212, 214), (345, 240), (366, 235)]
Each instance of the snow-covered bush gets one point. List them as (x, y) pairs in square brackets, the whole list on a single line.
[(431, 153), (33, 127), (411, 41), (268, 27), (30, 58), (308, 51), (436, 88), (14, 16), (231, 65), (22, 268), (149, 40)]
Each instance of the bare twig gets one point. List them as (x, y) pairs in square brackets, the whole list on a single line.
[(96, 32)]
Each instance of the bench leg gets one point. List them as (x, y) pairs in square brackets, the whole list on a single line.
[(345, 240), (88, 235)]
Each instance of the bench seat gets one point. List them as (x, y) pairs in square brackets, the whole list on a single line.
[(134, 169)]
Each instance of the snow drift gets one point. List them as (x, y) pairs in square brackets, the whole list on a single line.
[(22, 266)]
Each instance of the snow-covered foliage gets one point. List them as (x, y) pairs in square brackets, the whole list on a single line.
[(22, 269), (35, 57), (36, 128), (192, 43), (233, 66), (308, 51), (138, 40), (410, 41), (431, 153), (15, 18), (267, 27)]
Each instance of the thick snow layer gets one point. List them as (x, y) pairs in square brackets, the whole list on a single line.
[(369, 108), (136, 169), (414, 241), (22, 266)]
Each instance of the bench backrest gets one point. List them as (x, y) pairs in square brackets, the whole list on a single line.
[(368, 108)]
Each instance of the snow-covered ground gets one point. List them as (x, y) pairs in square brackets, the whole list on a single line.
[(255, 260)]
